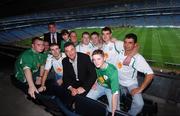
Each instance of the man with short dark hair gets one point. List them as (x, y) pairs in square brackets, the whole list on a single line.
[(78, 75), (128, 74), (27, 65), (52, 36)]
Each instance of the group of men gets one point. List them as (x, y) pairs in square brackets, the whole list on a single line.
[(91, 68)]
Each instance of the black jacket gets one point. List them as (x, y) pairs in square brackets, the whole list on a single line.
[(86, 72)]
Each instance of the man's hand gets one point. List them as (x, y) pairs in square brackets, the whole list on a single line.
[(74, 91), (42, 88), (94, 87), (136, 91), (32, 90), (80, 90)]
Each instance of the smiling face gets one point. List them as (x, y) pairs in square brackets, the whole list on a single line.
[(95, 39), (73, 37), (55, 51), (106, 36), (52, 28), (70, 52), (129, 44), (85, 39), (38, 45), (98, 60)]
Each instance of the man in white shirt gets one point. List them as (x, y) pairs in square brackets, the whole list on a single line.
[(85, 46), (54, 60), (128, 74), (112, 48)]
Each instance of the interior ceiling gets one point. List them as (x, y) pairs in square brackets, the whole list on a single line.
[(20, 7)]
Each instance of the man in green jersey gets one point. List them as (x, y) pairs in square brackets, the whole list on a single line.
[(27, 65), (107, 81)]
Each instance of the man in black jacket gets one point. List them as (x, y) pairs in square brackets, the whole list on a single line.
[(79, 75), (53, 36)]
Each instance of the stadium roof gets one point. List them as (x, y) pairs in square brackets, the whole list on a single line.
[(20, 7)]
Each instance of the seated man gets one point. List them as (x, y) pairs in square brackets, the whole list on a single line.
[(128, 74), (54, 60), (107, 82), (27, 65), (78, 74)]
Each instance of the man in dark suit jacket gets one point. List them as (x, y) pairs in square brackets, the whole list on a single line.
[(52, 36), (79, 75), (78, 71)]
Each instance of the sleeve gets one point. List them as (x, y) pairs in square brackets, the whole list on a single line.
[(119, 45), (91, 75), (67, 81), (114, 81), (142, 66), (48, 63), (26, 61)]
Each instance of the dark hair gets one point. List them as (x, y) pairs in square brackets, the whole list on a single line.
[(85, 33), (106, 29), (72, 32), (52, 23), (54, 44), (95, 33), (98, 51), (64, 31), (68, 44), (131, 36), (36, 38)]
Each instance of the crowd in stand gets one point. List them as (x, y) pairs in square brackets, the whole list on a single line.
[(97, 65)]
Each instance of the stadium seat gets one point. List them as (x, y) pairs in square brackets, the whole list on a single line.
[(89, 107)]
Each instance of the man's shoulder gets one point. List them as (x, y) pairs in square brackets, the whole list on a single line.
[(82, 55)]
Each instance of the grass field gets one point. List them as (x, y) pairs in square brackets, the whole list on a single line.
[(161, 45)]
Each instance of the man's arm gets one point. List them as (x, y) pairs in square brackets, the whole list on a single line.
[(91, 75), (43, 80), (146, 82), (32, 89), (114, 103)]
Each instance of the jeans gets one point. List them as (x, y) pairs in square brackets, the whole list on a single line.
[(100, 91), (137, 100)]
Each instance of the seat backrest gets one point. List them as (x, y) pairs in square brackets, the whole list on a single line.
[(88, 107)]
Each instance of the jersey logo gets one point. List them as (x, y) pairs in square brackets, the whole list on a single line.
[(101, 80), (59, 69), (105, 77), (119, 65), (106, 55)]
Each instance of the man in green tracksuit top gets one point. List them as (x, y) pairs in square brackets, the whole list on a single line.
[(107, 81), (27, 64)]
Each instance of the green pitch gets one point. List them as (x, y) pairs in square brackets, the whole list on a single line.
[(160, 45)]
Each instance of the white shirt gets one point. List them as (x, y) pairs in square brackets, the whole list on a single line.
[(128, 74), (111, 50), (55, 37), (86, 49), (57, 64)]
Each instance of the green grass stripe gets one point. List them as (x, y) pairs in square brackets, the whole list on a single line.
[(147, 51)]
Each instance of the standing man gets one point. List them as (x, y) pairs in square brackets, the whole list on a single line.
[(27, 65), (73, 38), (53, 36), (112, 48), (128, 74)]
